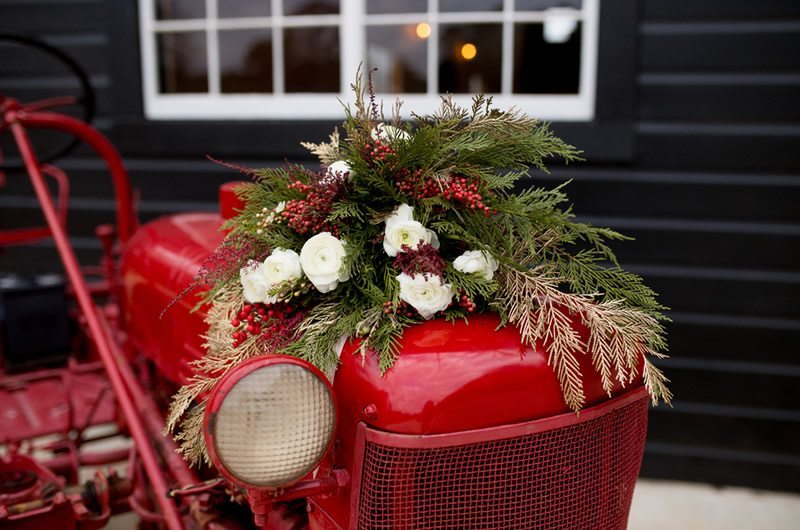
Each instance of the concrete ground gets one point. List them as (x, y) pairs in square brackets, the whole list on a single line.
[(663, 505)]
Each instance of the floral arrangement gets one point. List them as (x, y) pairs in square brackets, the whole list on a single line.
[(437, 218)]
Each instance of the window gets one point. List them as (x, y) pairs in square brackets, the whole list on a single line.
[(291, 59)]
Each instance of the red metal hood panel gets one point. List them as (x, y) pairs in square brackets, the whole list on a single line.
[(456, 376), (158, 263)]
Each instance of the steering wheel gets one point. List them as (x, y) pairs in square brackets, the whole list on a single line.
[(86, 99)]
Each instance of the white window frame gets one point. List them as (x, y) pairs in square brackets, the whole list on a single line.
[(352, 21)]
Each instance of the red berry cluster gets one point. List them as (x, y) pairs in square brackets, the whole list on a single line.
[(311, 214), (255, 319), (416, 185), (401, 308), (423, 260), (377, 151), (460, 190), (466, 302)]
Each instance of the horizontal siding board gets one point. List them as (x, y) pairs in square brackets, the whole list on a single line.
[(49, 17), (714, 430), (733, 343), (752, 470), (720, 103), (771, 51), (715, 10), (709, 150), (685, 200), (706, 248), (18, 60), (702, 295), (735, 388), (42, 258)]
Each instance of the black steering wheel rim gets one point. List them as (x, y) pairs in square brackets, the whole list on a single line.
[(86, 100)]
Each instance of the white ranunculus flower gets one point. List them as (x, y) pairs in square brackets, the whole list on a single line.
[(254, 282), (385, 132), (476, 261), (402, 229), (322, 259), (427, 294), (281, 266), (339, 169)]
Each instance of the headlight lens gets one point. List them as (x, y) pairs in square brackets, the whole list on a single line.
[(272, 425)]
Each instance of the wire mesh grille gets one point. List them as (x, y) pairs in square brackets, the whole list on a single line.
[(576, 477)]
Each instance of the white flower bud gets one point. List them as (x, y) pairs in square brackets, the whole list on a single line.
[(476, 262)]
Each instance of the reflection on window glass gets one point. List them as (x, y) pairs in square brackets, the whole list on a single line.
[(171, 9), (396, 6), (312, 59), (542, 67), (470, 5), (243, 8), (469, 58), (539, 5), (310, 7), (182, 62), (399, 54), (245, 60)]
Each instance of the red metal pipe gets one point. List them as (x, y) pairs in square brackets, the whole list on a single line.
[(126, 220), (148, 411), (85, 301)]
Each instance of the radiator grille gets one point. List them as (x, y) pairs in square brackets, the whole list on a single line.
[(576, 477)]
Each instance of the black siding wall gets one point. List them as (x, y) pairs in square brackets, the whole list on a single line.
[(712, 197)]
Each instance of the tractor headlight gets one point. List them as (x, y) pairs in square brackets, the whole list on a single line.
[(269, 421)]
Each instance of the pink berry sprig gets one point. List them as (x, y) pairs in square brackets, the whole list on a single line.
[(376, 151), (257, 319), (459, 190)]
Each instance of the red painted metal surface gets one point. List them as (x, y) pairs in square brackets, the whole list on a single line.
[(449, 377), (55, 401), (158, 264), (230, 205)]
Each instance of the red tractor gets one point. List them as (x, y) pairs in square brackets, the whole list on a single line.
[(469, 429)]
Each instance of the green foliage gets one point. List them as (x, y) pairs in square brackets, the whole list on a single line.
[(531, 228)]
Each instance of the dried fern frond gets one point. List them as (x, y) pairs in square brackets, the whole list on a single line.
[(327, 152), (619, 339)]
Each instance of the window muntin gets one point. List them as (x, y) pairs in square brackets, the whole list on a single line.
[(292, 59)]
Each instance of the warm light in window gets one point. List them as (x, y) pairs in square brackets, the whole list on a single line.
[(469, 51), (423, 30)]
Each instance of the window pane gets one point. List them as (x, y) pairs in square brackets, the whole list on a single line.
[(542, 67), (170, 9), (469, 58), (399, 53), (540, 5), (396, 6), (245, 60), (312, 59), (310, 7), (182, 62), (470, 5), (243, 8)]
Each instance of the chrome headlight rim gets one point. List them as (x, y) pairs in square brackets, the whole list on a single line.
[(224, 387)]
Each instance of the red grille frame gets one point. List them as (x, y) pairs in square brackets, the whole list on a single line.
[(563, 472)]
